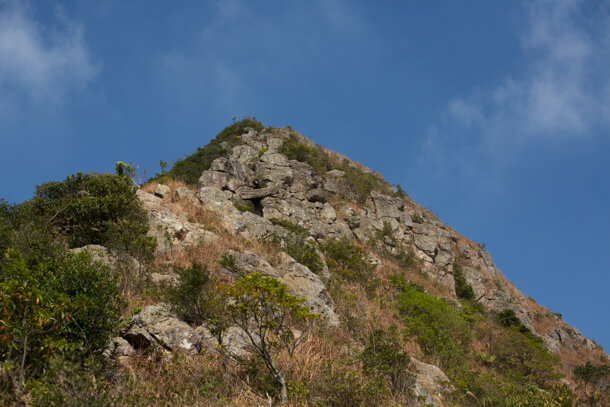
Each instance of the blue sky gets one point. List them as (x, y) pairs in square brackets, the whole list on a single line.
[(494, 115)]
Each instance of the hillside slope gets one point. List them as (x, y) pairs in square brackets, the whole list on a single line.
[(383, 303)]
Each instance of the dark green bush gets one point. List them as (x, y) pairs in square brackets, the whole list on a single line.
[(463, 290), (314, 156), (91, 209), (346, 260), (291, 227), (190, 168), (524, 359), (6, 224), (243, 205), (65, 305), (415, 218), (358, 183), (73, 382), (197, 300), (295, 243), (507, 318)]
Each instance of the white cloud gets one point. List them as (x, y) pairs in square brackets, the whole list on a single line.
[(563, 90), (39, 65)]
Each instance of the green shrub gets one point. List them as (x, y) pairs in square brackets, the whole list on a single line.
[(68, 305), (6, 225), (243, 205), (507, 318), (358, 184), (196, 300), (295, 243), (314, 156), (440, 329), (415, 218), (291, 227), (72, 382), (91, 209), (346, 260), (341, 383), (523, 358), (190, 168), (463, 290)]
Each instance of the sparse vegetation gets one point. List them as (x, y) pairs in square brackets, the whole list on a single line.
[(190, 168), (463, 290)]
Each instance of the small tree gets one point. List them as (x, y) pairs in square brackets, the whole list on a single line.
[(267, 313), (589, 377)]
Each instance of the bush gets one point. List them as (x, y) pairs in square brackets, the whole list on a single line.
[(297, 246), (269, 315), (440, 330), (91, 209), (523, 358), (314, 156), (359, 183), (196, 300), (383, 359), (347, 260), (69, 305), (463, 290), (190, 168), (6, 225)]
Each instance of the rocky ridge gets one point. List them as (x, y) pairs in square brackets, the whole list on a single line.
[(275, 187)]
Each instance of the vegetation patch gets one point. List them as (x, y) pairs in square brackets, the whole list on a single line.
[(347, 261), (190, 168), (315, 156)]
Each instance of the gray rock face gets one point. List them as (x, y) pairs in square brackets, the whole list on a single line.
[(169, 229), (431, 384), (155, 324), (119, 347), (301, 281)]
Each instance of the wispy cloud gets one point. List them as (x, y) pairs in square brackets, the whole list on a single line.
[(562, 92), (40, 65)]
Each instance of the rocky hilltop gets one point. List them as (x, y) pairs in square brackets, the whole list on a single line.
[(282, 273), (273, 180)]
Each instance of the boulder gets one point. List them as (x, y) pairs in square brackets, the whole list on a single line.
[(162, 191), (431, 384), (156, 324)]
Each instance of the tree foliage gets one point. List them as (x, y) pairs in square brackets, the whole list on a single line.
[(269, 315), (91, 209), (70, 305)]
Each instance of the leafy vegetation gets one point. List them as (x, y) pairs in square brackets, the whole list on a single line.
[(462, 288), (298, 246), (190, 168), (197, 300), (590, 378), (262, 307), (346, 260), (69, 305), (294, 149), (91, 209), (440, 329), (384, 360)]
